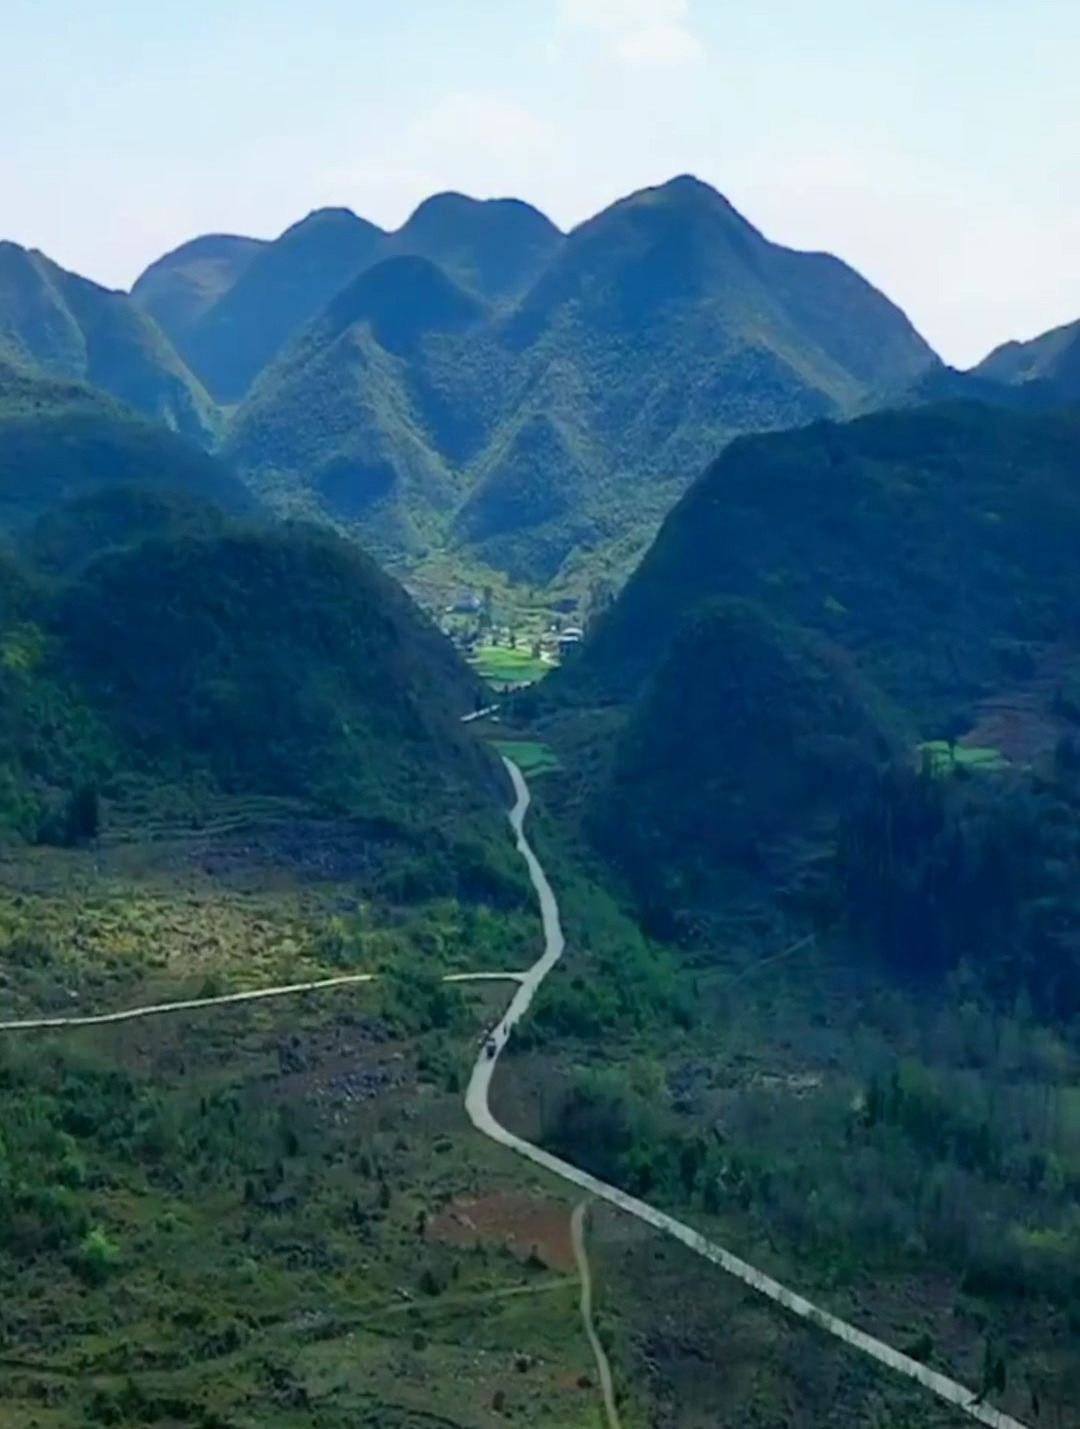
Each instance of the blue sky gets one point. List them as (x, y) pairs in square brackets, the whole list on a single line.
[(934, 144)]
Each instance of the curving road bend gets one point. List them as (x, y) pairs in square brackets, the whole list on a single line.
[(479, 1111), (476, 1104)]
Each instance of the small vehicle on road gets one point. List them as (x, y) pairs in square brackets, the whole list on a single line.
[(491, 1047)]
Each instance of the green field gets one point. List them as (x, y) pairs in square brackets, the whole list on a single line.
[(533, 756), (506, 665), (973, 756)]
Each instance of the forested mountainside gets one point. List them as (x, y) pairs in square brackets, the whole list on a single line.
[(66, 327), (819, 604), (155, 628), (61, 440), (493, 248), (572, 419), (181, 287), (930, 544), (772, 729)]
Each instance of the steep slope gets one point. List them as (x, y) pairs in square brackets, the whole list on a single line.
[(61, 440), (686, 327), (68, 327), (495, 247), (363, 417), (571, 421), (182, 286), (236, 662), (773, 730), (931, 544), (285, 286), (1052, 359), (280, 660)]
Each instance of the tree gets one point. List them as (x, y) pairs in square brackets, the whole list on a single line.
[(97, 1257)]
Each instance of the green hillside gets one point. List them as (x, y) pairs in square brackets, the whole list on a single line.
[(357, 421), (936, 546), (182, 286), (275, 663), (571, 421), (60, 440), (1052, 361), (66, 327), (285, 285), (494, 247), (112, 518), (771, 728)]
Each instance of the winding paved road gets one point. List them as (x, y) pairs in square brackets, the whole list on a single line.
[(476, 1103), (479, 1111)]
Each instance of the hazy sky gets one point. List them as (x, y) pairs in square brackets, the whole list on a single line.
[(934, 144)]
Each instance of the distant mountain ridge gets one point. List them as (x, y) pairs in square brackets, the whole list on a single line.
[(1051, 362), (568, 419), (181, 287), (491, 247), (68, 327)]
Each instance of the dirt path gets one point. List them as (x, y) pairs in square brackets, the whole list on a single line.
[(603, 1368)]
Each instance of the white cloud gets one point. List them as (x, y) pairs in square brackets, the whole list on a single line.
[(638, 32), (492, 123), (661, 44)]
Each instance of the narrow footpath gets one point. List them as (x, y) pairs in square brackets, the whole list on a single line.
[(603, 1367)]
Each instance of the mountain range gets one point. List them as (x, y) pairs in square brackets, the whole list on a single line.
[(1050, 361), (521, 433), (819, 603), (480, 390), (64, 326)]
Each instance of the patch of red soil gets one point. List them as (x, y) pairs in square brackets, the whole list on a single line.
[(526, 1224)]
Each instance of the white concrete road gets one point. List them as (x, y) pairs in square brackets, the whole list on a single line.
[(157, 1009), (479, 1111), (476, 1103)]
